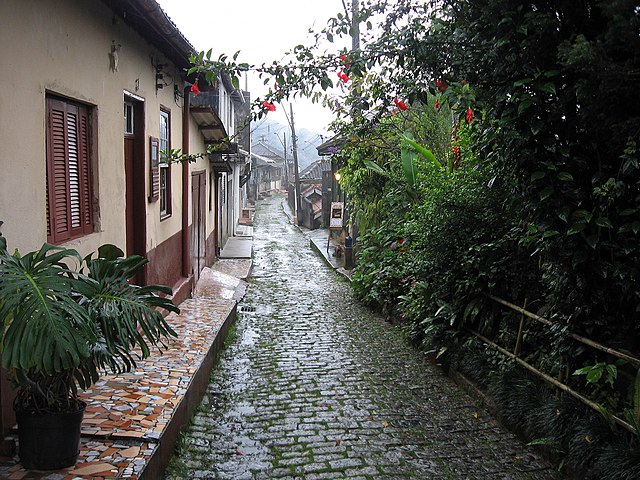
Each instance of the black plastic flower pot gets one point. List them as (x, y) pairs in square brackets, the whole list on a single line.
[(49, 441)]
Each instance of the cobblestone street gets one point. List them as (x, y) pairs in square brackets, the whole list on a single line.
[(316, 386)]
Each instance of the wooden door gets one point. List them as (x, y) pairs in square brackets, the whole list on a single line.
[(198, 222), (129, 149), (135, 178)]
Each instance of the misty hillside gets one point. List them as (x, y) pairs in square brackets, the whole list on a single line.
[(272, 133)]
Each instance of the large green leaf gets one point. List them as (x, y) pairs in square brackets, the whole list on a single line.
[(61, 325), (44, 326), (375, 167), (127, 316), (408, 138), (408, 157)]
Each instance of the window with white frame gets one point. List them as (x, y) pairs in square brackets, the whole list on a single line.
[(128, 118), (165, 167)]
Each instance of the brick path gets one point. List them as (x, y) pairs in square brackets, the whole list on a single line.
[(315, 386)]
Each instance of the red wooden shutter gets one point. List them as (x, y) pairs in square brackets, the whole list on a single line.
[(57, 170), (69, 212), (85, 173)]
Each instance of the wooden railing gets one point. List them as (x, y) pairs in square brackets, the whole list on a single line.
[(514, 355)]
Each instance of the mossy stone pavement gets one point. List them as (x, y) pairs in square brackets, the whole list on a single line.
[(315, 386)]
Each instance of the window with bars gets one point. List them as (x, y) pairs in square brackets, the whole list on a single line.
[(69, 194), (165, 167)]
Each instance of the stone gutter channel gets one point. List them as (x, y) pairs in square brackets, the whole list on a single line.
[(132, 420)]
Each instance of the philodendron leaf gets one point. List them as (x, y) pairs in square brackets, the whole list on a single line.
[(109, 252)]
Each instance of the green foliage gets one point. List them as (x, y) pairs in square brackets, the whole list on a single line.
[(536, 118), (594, 373), (65, 319)]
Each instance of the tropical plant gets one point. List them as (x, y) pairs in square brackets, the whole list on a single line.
[(66, 319)]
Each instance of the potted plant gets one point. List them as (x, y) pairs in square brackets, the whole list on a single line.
[(65, 321)]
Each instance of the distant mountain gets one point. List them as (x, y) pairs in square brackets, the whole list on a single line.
[(275, 134)]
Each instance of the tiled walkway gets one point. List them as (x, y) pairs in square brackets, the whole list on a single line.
[(127, 415)]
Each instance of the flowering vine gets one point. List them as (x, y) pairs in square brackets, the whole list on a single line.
[(268, 106), (469, 115), (343, 76), (400, 104)]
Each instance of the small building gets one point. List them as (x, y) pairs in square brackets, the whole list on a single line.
[(269, 171), (315, 193)]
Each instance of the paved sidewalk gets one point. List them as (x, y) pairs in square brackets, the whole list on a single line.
[(318, 242), (237, 247), (132, 420), (316, 386)]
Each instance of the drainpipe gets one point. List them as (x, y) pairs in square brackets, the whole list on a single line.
[(186, 267)]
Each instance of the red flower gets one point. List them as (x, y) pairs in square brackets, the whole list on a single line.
[(456, 150), (469, 115), (400, 104), (343, 76), (442, 85), (269, 106), (437, 105), (195, 89), (344, 59)]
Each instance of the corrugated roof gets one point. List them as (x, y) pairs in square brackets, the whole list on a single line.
[(314, 171)]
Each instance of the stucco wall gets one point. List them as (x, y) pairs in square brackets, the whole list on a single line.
[(62, 48)]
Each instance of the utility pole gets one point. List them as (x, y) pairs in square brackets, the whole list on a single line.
[(295, 167), (355, 25), (286, 162)]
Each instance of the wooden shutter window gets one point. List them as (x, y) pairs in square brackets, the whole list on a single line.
[(69, 205)]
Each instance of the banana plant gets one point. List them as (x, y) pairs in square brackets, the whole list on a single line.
[(409, 150)]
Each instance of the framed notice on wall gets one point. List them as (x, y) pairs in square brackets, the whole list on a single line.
[(337, 214), (154, 173)]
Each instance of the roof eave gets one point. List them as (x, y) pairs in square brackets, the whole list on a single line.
[(148, 19)]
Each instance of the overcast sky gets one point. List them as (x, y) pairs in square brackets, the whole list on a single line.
[(262, 30)]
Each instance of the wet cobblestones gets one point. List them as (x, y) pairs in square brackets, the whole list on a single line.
[(315, 386)]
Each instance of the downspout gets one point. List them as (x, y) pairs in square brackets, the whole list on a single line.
[(186, 260)]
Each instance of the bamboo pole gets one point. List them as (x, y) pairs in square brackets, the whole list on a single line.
[(516, 349), (553, 381), (579, 338)]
